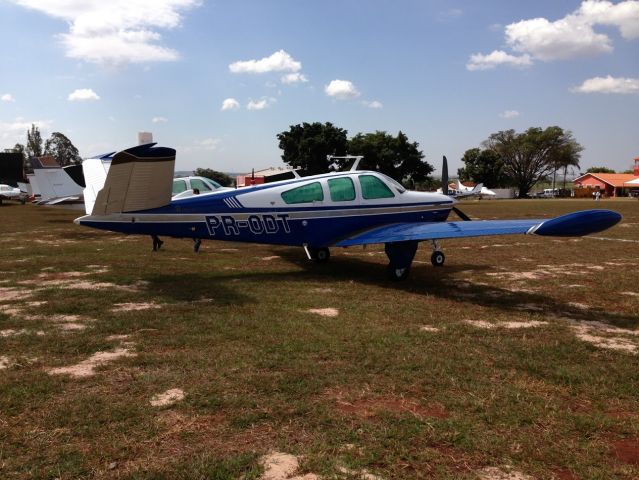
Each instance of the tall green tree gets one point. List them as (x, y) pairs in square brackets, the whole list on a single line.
[(306, 146), (532, 155), (220, 177), (34, 142), (394, 156), (60, 147), (483, 166)]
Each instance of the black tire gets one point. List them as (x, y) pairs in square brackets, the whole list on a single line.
[(397, 274), (437, 259), (321, 255)]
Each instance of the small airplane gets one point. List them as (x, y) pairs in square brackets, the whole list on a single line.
[(57, 184), (338, 209), (477, 190), (7, 192)]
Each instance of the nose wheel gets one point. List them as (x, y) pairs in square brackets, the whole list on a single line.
[(437, 259), (320, 255)]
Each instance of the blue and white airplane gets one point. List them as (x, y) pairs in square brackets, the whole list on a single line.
[(338, 209)]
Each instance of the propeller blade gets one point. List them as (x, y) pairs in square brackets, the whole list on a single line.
[(445, 176), (461, 215)]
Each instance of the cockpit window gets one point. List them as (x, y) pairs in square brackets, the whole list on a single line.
[(213, 182), (342, 189), (200, 185), (305, 194), (398, 186), (373, 187), (178, 186)]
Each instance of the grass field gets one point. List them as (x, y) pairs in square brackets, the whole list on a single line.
[(519, 359)]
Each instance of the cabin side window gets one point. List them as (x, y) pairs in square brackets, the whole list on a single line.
[(342, 189), (305, 194), (200, 185), (178, 186), (373, 187)]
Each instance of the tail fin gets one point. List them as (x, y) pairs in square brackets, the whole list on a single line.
[(140, 178)]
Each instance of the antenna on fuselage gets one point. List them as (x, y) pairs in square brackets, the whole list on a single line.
[(357, 158)]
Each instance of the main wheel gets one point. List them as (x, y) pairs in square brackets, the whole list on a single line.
[(321, 255), (438, 259), (397, 274)]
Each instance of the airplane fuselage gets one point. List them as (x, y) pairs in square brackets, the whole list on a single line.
[(317, 211)]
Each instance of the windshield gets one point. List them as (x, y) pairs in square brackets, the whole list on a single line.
[(398, 186), (213, 182)]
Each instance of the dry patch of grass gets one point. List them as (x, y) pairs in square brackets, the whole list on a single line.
[(86, 368), (169, 397)]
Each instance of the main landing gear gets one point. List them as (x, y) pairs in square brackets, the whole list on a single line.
[(320, 255), (401, 255)]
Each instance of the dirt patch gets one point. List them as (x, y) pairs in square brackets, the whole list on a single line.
[(9, 294), (509, 325), (586, 334), (580, 306), (71, 326), (4, 362), (324, 312), (361, 474), (282, 466), (86, 368), (322, 290), (118, 337), (127, 307), (494, 473), (630, 294), (272, 257), (428, 328), (626, 451), (23, 331), (169, 397)]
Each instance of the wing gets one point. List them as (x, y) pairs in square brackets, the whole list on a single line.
[(570, 225)]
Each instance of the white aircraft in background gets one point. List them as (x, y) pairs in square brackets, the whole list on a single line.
[(478, 189), (7, 192), (55, 183)]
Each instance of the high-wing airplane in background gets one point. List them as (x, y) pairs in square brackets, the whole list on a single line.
[(338, 209)]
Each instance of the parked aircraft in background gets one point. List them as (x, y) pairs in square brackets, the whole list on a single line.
[(478, 190), (57, 184), (338, 209), (184, 187), (7, 192)]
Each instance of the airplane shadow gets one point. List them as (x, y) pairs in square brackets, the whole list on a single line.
[(444, 283)]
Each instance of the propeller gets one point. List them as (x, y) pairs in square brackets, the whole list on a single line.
[(459, 213), (445, 176)]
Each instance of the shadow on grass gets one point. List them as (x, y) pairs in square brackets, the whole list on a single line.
[(443, 283), (193, 287)]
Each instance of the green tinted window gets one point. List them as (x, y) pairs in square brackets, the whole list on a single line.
[(200, 185), (178, 186), (373, 187), (342, 189), (305, 194)]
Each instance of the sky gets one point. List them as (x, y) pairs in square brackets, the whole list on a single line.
[(218, 80)]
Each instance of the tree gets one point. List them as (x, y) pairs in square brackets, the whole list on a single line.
[(306, 146), (396, 157), (34, 142), (532, 155), (61, 148), (26, 163), (483, 166), (220, 177), (600, 170)]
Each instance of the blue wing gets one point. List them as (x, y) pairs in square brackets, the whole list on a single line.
[(570, 225)]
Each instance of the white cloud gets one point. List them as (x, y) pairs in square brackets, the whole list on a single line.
[(210, 143), (479, 61), (609, 84), (160, 120), (509, 114), (341, 89), (230, 104), (261, 104), (7, 97), (16, 131), (117, 31), (572, 36), (375, 104), (279, 61), (449, 14), (82, 94), (292, 78)]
